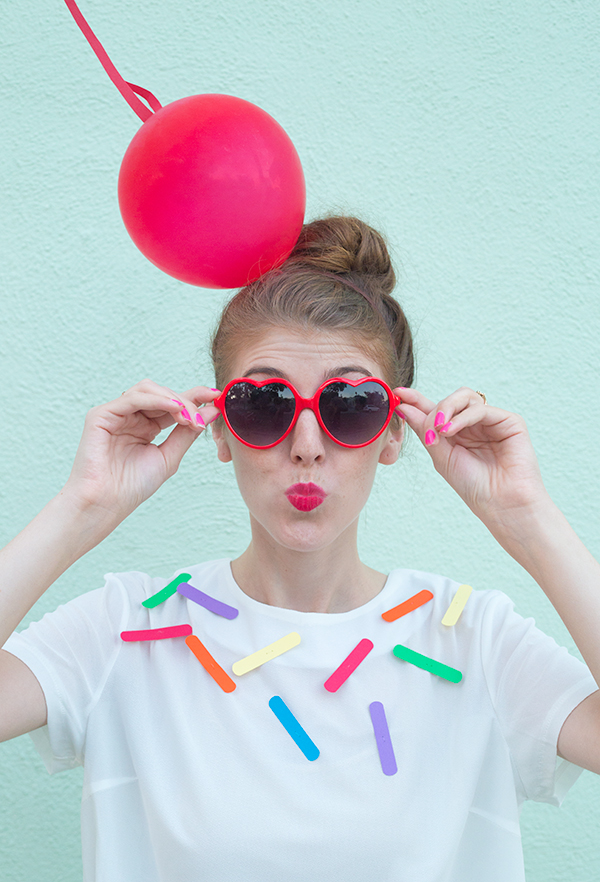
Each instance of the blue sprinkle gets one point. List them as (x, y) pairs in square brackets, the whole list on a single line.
[(293, 728)]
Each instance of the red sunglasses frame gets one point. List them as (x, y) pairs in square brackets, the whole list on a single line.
[(307, 403)]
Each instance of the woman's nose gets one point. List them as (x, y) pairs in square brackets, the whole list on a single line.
[(307, 437)]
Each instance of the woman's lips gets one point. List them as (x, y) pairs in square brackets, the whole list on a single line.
[(305, 497)]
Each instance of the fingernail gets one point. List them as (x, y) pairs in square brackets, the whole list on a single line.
[(429, 437), (186, 414), (200, 421), (180, 403), (440, 419), (446, 427), (401, 415), (214, 390)]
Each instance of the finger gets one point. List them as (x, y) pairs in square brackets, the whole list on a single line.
[(477, 414), (207, 414), (413, 417), (198, 394), (197, 407), (176, 445), (157, 406), (442, 418), (414, 398), (166, 406), (150, 407), (201, 394)]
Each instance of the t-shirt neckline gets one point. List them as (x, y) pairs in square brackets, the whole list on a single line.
[(244, 600)]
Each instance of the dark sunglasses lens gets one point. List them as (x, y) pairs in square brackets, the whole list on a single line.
[(260, 415), (354, 414)]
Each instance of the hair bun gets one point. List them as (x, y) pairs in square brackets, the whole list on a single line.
[(346, 245)]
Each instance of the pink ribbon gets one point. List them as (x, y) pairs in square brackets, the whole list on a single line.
[(127, 90)]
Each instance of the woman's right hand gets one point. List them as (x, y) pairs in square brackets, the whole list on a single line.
[(117, 466)]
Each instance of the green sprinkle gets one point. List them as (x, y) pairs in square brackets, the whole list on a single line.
[(166, 592), (428, 664)]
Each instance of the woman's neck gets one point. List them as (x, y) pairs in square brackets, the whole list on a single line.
[(329, 580)]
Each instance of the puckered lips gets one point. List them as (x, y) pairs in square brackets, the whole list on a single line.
[(305, 497)]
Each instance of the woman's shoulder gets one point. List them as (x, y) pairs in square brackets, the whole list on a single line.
[(474, 601), (137, 599), (139, 586)]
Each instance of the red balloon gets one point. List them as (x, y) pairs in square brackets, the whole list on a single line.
[(211, 190)]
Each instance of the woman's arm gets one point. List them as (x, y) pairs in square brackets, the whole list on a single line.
[(486, 455), (117, 467)]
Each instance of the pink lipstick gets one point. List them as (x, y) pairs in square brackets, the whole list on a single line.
[(305, 497)]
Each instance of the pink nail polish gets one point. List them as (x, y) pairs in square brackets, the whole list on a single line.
[(401, 415), (429, 437), (440, 419), (180, 403), (446, 427), (186, 414), (199, 420)]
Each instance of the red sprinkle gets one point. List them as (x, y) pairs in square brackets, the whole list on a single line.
[(157, 633), (350, 664)]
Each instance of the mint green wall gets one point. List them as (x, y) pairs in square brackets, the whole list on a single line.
[(468, 132)]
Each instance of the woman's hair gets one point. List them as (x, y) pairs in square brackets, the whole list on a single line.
[(339, 277)]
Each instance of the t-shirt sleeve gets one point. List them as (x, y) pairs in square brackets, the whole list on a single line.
[(534, 685), (72, 651)]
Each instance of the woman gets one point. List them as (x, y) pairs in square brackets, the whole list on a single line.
[(413, 761)]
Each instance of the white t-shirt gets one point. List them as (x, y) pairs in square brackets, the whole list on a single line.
[(186, 782)]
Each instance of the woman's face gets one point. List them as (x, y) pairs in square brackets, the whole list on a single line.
[(279, 510)]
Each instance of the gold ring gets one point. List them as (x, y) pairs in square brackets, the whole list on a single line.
[(482, 395)]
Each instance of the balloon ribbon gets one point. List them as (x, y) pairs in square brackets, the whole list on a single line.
[(127, 90)]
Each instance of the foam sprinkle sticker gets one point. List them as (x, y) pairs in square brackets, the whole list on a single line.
[(209, 664), (156, 633), (427, 664), (383, 739), (459, 600), (349, 665), (409, 605), (166, 592), (266, 654), (208, 602), (293, 728)]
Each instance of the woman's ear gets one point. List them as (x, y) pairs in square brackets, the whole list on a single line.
[(393, 443), (218, 433)]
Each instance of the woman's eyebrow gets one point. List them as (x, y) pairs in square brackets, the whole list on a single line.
[(348, 369), (270, 371), (264, 369)]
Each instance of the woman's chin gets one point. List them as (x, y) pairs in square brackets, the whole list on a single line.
[(302, 532)]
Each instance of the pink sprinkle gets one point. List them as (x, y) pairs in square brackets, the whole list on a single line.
[(349, 665), (157, 633)]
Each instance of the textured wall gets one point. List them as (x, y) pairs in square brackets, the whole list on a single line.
[(467, 131)]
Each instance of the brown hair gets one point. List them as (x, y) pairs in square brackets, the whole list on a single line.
[(339, 277)]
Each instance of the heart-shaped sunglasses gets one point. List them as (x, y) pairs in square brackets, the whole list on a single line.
[(352, 412)]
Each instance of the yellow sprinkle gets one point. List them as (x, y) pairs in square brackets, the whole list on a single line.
[(266, 654), (458, 604)]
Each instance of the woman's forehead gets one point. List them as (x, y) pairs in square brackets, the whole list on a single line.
[(298, 351)]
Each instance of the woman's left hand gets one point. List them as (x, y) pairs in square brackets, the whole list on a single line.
[(483, 452)]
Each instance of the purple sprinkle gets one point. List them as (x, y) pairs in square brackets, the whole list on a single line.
[(382, 737), (208, 602)]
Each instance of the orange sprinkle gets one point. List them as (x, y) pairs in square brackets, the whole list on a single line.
[(413, 602), (209, 664)]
